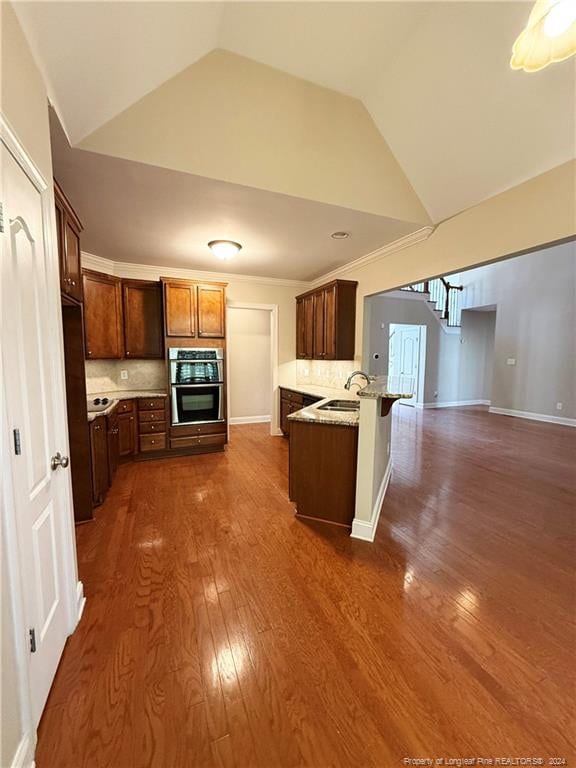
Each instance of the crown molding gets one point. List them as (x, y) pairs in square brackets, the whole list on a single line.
[(380, 253), (149, 272)]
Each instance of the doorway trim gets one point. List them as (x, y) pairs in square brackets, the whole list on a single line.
[(273, 309), (73, 596)]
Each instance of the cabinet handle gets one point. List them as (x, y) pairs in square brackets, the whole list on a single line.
[(153, 442), (131, 418), (152, 427), (73, 282), (89, 352), (97, 428), (127, 353)]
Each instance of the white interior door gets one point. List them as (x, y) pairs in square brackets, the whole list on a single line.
[(34, 401), (404, 358)]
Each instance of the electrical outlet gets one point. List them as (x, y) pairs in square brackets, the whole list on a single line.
[(123, 373), (511, 361), (559, 406)]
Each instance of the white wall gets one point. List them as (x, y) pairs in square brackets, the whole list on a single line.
[(535, 297), (249, 363)]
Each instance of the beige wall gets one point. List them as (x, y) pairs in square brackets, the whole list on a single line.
[(249, 362), (228, 117), (537, 212), (24, 105)]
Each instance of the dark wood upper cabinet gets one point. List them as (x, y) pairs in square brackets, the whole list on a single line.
[(103, 316), (194, 310), (305, 327), (211, 311), (180, 308), (142, 315), (325, 322), (318, 333), (68, 230)]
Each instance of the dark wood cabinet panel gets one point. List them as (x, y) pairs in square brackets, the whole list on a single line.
[(319, 325), (305, 328), (78, 430), (290, 402), (180, 308), (325, 322), (102, 316), (330, 323), (113, 445), (211, 311), (142, 316), (68, 231), (322, 480), (73, 268), (285, 411), (99, 452), (126, 434)]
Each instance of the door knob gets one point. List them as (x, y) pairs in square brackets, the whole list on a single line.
[(59, 461)]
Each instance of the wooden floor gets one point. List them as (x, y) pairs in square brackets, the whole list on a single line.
[(221, 631)]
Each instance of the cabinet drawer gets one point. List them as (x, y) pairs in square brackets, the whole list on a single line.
[(149, 427), (152, 416), (151, 403), (208, 441), (152, 443), (124, 406), (198, 429)]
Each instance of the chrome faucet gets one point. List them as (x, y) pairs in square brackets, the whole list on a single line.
[(356, 373)]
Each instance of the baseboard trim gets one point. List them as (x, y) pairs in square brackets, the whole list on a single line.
[(562, 420), (80, 601), (249, 419), (366, 530), (24, 755), (452, 404)]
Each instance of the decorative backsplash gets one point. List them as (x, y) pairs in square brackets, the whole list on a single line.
[(324, 373), (104, 375)]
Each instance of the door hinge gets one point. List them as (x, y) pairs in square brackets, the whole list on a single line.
[(32, 633), (17, 442)]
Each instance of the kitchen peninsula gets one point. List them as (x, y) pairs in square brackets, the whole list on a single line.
[(340, 459)]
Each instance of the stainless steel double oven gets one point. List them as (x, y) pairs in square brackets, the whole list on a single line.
[(197, 384)]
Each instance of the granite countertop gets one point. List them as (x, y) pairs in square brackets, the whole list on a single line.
[(115, 397), (385, 387), (312, 413), (381, 387)]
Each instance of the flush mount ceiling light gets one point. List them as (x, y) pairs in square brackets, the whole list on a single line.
[(549, 36), (340, 235), (224, 249)]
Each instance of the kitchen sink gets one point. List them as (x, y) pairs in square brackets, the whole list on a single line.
[(340, 405)]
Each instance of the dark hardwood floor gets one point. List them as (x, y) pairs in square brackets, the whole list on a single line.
[(221, 631)]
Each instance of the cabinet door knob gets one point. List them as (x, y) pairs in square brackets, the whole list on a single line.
[(73, 282), (89, 352), (127, 353)]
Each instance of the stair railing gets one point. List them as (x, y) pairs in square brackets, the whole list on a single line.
[(451, 303), (444, 297)]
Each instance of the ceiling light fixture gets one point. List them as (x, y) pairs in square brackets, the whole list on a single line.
[(224, 249), (340, 235), (549, 36)]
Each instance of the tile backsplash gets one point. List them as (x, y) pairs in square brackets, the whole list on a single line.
[(324, 373), (104, 375)]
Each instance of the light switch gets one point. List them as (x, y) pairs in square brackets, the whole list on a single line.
[(511, 361), (559, 406), (123, 373)]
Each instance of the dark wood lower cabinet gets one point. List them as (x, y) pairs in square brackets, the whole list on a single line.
[(99, 451), (290, 402), (127, 438), (323, 461), (113, 445)]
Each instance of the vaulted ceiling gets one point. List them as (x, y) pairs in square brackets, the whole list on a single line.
[(404, 110)]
